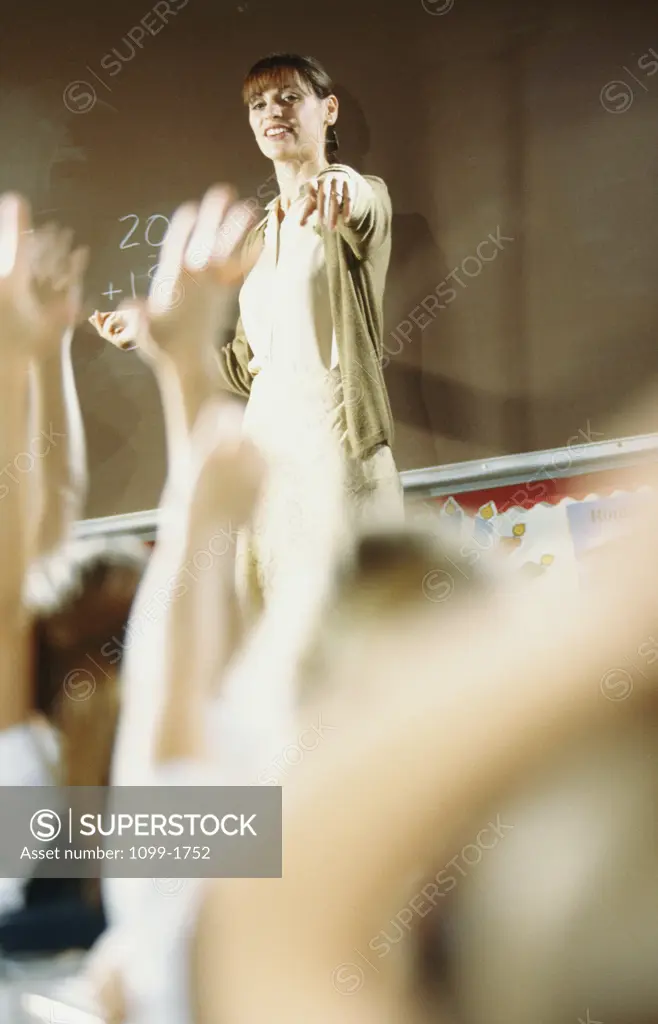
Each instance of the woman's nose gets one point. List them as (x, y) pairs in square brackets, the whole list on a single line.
[(274, 109)]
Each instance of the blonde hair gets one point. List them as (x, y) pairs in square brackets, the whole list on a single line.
[(387, 574)]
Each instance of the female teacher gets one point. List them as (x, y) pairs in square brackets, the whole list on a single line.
[(308, 344)]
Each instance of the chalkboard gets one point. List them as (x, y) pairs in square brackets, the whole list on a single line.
[(110, 118), (108, 123)]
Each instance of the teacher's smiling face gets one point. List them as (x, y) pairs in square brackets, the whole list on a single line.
[(290, 122)]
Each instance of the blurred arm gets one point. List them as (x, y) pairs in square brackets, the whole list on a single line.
[(59, 447), (15, 692), (473, 699)]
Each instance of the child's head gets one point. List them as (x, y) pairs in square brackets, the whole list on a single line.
[(390, 577), (81, 600)]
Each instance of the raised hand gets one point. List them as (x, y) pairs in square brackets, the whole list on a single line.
[(331, 195), (201, 260), (40, 280)]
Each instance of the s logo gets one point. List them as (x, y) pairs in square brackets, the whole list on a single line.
[(45, 825)]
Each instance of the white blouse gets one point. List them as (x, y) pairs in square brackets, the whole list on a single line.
[(284, 303)]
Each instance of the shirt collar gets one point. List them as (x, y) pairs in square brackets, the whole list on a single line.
[(274, 203)]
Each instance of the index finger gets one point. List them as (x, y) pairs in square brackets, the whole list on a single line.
[(346, 204)]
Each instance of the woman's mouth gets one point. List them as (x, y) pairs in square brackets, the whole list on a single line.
[(277, 132)]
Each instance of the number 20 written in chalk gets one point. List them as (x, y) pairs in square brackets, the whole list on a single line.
[(148, 230)]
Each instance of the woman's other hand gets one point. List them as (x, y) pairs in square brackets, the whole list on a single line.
[(331, 196)]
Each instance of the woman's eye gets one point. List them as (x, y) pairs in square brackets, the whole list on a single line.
[(290, 97)]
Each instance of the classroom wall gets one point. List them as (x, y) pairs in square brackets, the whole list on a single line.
[(523, 184)]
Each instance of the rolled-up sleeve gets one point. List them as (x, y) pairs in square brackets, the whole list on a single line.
[(370, 220), (234, 361)]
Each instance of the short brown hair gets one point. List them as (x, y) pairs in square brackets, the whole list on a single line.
[(274, 70)]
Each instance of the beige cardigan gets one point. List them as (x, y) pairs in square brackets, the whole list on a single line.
[(357, 258)]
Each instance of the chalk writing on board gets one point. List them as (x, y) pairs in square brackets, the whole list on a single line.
[(149, 230), (136, 232)]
